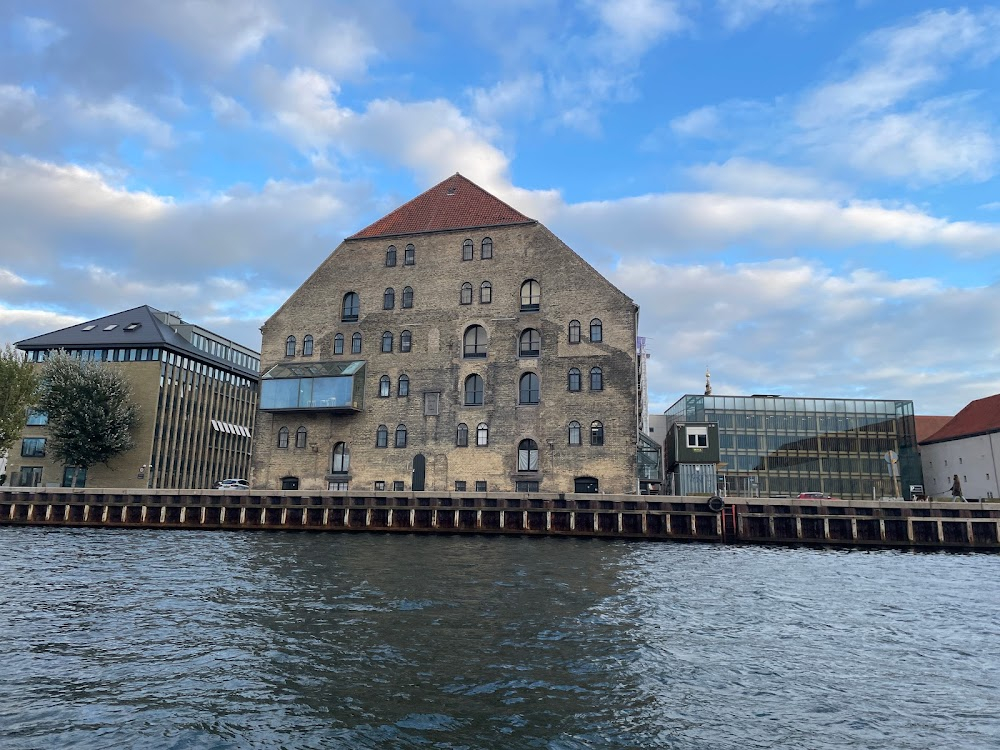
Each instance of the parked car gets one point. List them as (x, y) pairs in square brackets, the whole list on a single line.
[(232, 484), (816, 496)]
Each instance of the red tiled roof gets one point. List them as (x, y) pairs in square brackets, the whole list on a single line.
[(927, 426), (980, 417), (455, 203)]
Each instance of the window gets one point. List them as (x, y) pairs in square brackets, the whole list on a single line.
[(290, 346), (409, 255), (574, 332), (480, 485), (462, 436), (401, 436), (337, 486), (467, 250), (33, 447), (529, 388), (387, 342), (432, 404), (596, 330), (338, 344), (405, 341), (474, 391), (74, 476), (525, 486), (530, 344), (485, 293), (574, 433), (37, 418), (29, 476), (389, 299), (596, 379), (407, 296), (596, 433), (459, 485), (390, 256), (383, 387), (466, 297), (356, 343), (300, 437), (486, 249), (527, 455), (574, 379), (482, 435), (307, 346), (531, 295), (404, 386), (283, 437), (382, 436), (474, 342), (351, 307), (697, 437), (341, 459), (398, 486), (379, 485)]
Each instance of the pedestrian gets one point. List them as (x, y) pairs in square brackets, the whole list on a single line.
[(956, 489)]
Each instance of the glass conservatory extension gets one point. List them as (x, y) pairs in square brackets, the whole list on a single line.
[(327, 386)]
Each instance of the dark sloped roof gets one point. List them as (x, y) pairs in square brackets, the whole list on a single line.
[(455, 203), (928, 425), (980, 417)]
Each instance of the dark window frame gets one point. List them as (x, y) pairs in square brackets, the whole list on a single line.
[(465, 296), (350, 307), (462, 435), (338, 344), (530, 395), (478, 347), (407, 298), (574, 331), (410, 256), (301, 437), (529, 343), (403, 386), (307, 345), (387, 342), (574, 380), (283, 437), (400, 436), (384, 387), (468, 250), (596, 330), (290, 346), (531, 301), (486, 248), (475, 387), (390, 256), (389, 299)]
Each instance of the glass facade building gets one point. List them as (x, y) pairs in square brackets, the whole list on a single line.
[(771, 446)]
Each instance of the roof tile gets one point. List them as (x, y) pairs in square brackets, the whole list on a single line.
[(980, 417)]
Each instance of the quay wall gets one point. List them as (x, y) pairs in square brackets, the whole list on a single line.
[(954, 525)]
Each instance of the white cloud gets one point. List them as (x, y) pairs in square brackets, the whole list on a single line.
[(123, 115), (738, 14), (747, 177), (513, 98), (227, 110), (636, 25)]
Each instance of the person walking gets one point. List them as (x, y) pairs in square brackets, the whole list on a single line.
[(956, 489)]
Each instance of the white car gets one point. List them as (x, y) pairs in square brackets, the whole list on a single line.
[(232, 484)]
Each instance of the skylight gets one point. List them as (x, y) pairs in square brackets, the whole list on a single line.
[(132, 326), (90, 327), (111, 327)]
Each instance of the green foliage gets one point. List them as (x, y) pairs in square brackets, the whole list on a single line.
[(91, 410), (18, 391)]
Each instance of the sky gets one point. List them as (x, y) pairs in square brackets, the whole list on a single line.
[(802, 196)]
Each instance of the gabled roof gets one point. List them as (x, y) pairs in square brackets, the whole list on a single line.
[(980, 417), (455, 203), (928, 425)]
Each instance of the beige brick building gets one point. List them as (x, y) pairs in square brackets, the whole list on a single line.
[(455, 344), (196, 392)]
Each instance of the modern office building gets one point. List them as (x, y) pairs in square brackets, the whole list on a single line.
[(197, 394), (770, 446), (453, 345)]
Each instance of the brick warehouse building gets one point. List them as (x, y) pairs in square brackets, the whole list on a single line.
[(454, 344)]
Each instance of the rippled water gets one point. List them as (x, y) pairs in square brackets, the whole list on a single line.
[(160, 639)]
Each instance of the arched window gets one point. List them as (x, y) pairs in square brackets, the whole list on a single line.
[(383, 386), (596, 433), (307, 346), (409, 255), (467, 250), (300, 437), (401, 436), (574, 379), (474, 342), (485, 293), (356, 343), (338, 344), (390, 256), (486, 249), (527, 455), (404, 386), (283, 437), (389, 299), (289, 483), (483, 434), (574, 433), (351, 308), (462, 436), (382, 436), (474, 391), (290, 346), (405, 341), (596, 330), (407, 296), (530, 343), (596, 379), (341, 459), (466, 297), (387, 342), (531, 295), (574, 332), (529, 389)]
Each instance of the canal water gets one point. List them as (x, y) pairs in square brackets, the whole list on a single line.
[(190, 639)]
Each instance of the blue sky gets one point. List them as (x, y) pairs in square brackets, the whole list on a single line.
[(801, 195)]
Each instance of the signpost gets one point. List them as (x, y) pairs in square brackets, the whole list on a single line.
[(892, 458)]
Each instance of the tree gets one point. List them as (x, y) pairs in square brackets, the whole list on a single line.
[(18, 391), (90, 408)]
